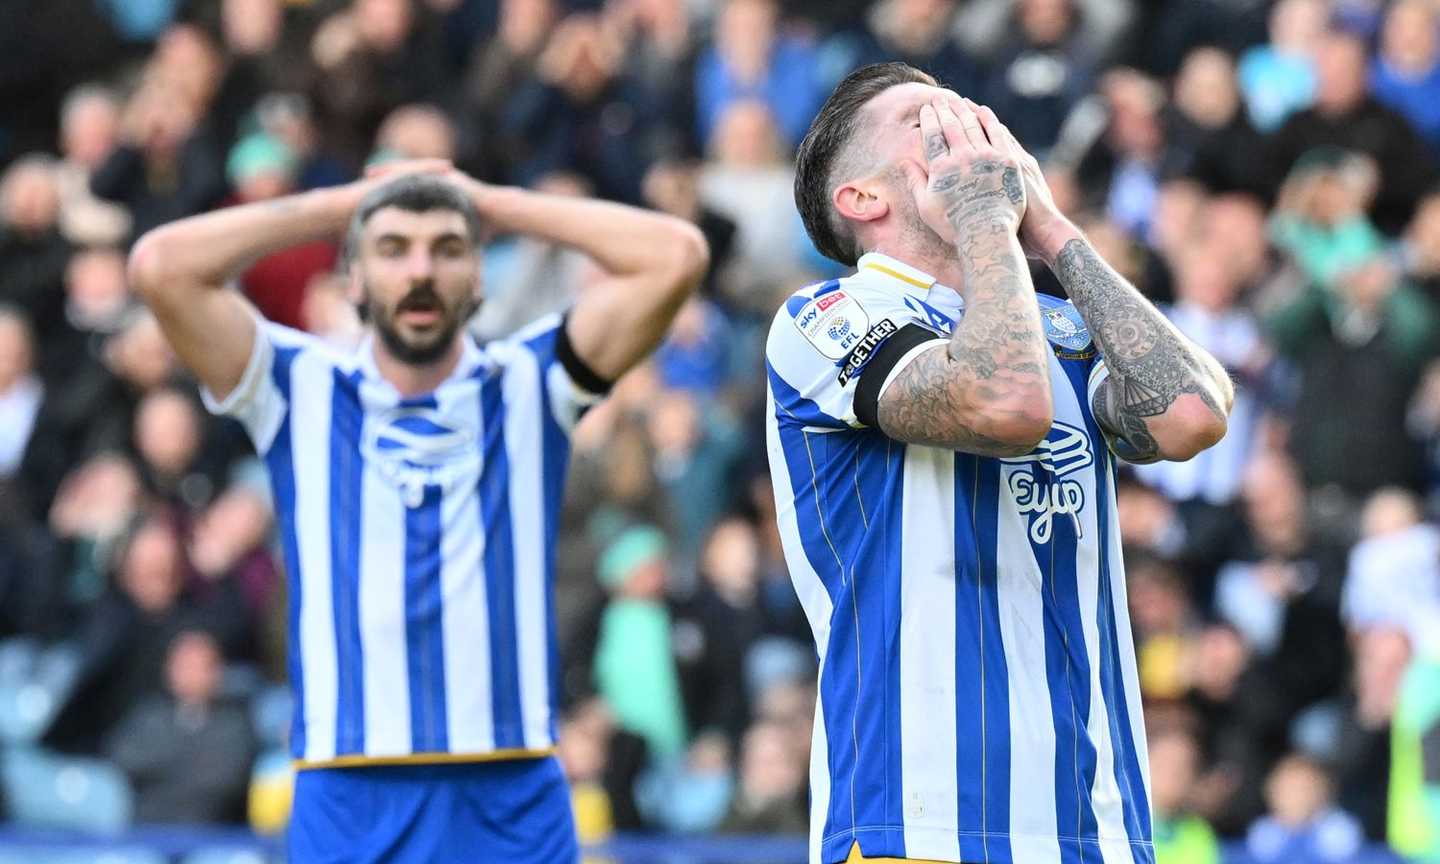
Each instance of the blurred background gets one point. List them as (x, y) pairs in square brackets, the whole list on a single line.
[(1266, 172)]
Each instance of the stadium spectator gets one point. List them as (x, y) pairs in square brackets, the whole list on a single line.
[(21, 391), (188, 750), (918, 32), (1278, 78), (262, 168), (89, 131), (1346, 116), (1393, 578), (497, 67), (1406, 74), (1208, 130), (1042, 71), (581, 114), (33, 252), (634, 666), (752, 58), (1302, 823), (1180, 836), (770, 794), (374, 56)]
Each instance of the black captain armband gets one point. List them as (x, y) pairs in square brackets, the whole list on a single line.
[(585, 378), (877, 360)]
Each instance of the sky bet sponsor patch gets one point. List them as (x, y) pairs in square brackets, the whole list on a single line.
[(834, 323), (866, 349)]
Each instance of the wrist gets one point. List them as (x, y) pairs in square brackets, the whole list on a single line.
[(1048, 238)]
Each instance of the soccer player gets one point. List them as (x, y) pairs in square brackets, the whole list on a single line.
[(418, 485), (943, 446)]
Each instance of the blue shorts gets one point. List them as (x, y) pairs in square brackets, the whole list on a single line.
[(515, 812)]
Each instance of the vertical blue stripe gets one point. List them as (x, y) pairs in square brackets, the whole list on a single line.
[(839, 676), (865, 501), (792, 404), (280, 460), (1128, 776), (424, 625), (346, 501), (982, 722), (555, 460), (500, 569), (1067, 671)]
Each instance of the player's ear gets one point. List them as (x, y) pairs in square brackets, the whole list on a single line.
[(861, 200)]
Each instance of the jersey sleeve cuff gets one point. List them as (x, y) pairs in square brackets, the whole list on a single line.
[(262, 355)]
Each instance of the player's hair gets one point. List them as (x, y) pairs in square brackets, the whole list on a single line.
[(415, 193), (821, 153)]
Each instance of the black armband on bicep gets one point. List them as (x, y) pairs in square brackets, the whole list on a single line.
[(585, 378), (879, 365)]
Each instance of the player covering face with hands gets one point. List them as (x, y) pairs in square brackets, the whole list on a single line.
[(417, 484), (943, 444)]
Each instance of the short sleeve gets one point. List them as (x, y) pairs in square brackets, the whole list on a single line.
[(831, 350), (258, 402), (571, 386)]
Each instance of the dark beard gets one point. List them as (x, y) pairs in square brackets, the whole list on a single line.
[(423, 354)]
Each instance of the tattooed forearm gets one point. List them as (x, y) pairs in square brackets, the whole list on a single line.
[(988, 391), (1151, 364)]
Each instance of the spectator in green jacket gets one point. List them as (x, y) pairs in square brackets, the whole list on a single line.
[(1180, 836)]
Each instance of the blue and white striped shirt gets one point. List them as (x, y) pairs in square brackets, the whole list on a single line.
[(978, 695), (419, 542)]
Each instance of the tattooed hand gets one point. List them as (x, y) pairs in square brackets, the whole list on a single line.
[(970, 185), (1042, 217)]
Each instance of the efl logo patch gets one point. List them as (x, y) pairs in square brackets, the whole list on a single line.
[(866, 349), (834, 323)]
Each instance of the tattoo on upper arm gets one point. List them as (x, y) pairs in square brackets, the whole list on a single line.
[(921, 404), (1150, 364)]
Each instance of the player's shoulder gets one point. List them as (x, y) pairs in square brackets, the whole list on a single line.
[(831, 317), (1065, 329), (290, 344)]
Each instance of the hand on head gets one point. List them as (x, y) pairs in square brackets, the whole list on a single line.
[(978, 170), (971, 180)]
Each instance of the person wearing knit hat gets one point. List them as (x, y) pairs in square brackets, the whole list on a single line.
[(634, 664)]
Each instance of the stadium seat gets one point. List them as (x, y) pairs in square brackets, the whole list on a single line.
[(35, 683), (45, 789)]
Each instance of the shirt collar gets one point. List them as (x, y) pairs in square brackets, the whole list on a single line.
[(912, 281), (471, 358)]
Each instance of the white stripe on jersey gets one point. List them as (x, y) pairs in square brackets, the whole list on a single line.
[(927, 657), (815, 600), (382, 633), (311, 384), (465, 618), (521, 393)]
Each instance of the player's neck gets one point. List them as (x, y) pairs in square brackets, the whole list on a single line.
[(416, 379), (929, 258)]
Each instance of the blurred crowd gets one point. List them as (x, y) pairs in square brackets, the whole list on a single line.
[(1266, 172)]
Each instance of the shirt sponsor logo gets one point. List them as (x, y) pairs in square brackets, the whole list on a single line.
[(1042, 495), (833, 323), (866, 349)]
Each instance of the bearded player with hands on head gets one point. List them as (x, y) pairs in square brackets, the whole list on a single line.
[(943, 445), (418, 483)]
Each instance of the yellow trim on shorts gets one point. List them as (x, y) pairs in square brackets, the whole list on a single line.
[(856, 858), (362, 761), (897, 274)]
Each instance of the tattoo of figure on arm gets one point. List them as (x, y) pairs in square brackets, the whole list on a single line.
[(1151, 364)]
